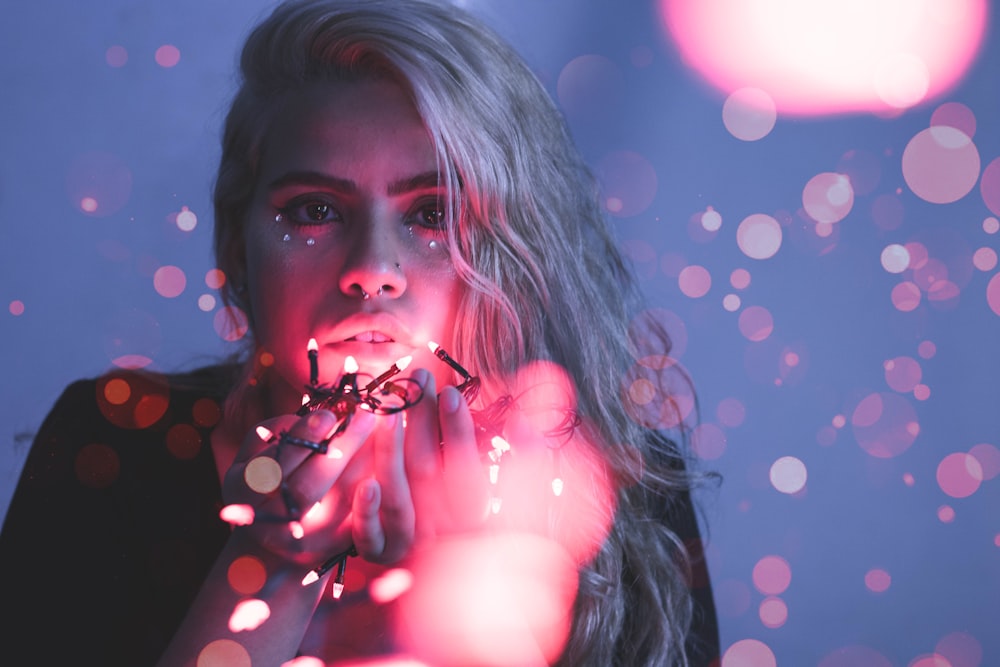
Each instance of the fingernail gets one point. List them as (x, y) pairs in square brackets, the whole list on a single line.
[(449, 399), (321, 421), (421, 376)]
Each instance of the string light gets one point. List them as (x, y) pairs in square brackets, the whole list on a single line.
[(313, 353)]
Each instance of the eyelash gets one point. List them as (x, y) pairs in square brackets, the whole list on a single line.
[(293, 213)]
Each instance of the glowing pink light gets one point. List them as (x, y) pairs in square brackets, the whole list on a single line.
[(902, 374), (877, 580), (756, 323), (960, 649), (230, 323), (731, 302), (759, 236), (16, 308), (906, 296), (946, 514), (206, 302), (237, 515), (390, 585), (167, 56), (828, 197), (708, 441), (956, 115), (186, 220), (959, 475), (993, 293), (116, 56), (731, 412), (941, 164), (989, 459), (788, 475), (169, 281), (985, 259), (885, 425), (739, 279), (749, 114), (772, 575), (773, 612), (829, 56), (895, 258), (930, 660), (695, 281), (749, 653), (991, 225), (989, 187), (248, 615)]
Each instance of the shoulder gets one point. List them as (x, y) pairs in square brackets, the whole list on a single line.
[(140, 399)]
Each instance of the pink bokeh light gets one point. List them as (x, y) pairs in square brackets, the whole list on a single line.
[(749, 653), (941, 164), (772, 575), (959, 474), (830, 56), (960, 649)]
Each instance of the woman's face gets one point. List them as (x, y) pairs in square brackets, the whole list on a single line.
[(347, 205)]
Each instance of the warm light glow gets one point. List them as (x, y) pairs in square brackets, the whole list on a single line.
[(296, 529), (237, 515), (350, 364), (312, 346), (829, 56), (248, 615), (311, 578), (402, 363), (494, 473), (390, 585), (433, 346), (338, 590), (264, 433), (262, 474), (557, 486)]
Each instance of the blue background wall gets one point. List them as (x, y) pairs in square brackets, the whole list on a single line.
[(141, 138)]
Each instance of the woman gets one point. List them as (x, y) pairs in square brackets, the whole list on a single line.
[(392, 176)]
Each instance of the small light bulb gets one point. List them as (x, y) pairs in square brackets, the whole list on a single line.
[(402, 363), (494, 473), (338, 590), (351, 365), (296, 529), (311, 578), (264, 433), (557, 486), (313, 346)]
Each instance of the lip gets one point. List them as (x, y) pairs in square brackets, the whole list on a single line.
[(382, 337)]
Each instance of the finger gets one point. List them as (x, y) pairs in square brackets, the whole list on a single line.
[(317, 473), (465, 483), (422, 454), (366, 525), (396, 508)]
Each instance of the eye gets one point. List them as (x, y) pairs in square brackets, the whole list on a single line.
[(310, 210), (430, 214)]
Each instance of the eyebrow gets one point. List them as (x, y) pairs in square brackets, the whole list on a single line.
[(425, 181)]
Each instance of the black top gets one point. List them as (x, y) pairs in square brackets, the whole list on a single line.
[(115, 523)]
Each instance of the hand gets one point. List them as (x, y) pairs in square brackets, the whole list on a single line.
[(284, 481), (428, 478)]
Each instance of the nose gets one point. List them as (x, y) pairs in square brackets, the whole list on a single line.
[(372, 262)]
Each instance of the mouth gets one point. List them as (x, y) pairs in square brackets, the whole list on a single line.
[(370, 337)]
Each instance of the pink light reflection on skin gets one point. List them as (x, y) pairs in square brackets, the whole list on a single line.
[(832, 56)]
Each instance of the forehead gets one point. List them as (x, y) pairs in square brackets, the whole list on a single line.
[(365, 124)]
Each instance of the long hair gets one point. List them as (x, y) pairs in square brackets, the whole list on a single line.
[(544, 277)]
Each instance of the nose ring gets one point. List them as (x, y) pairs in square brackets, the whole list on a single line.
[(365, 295)]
